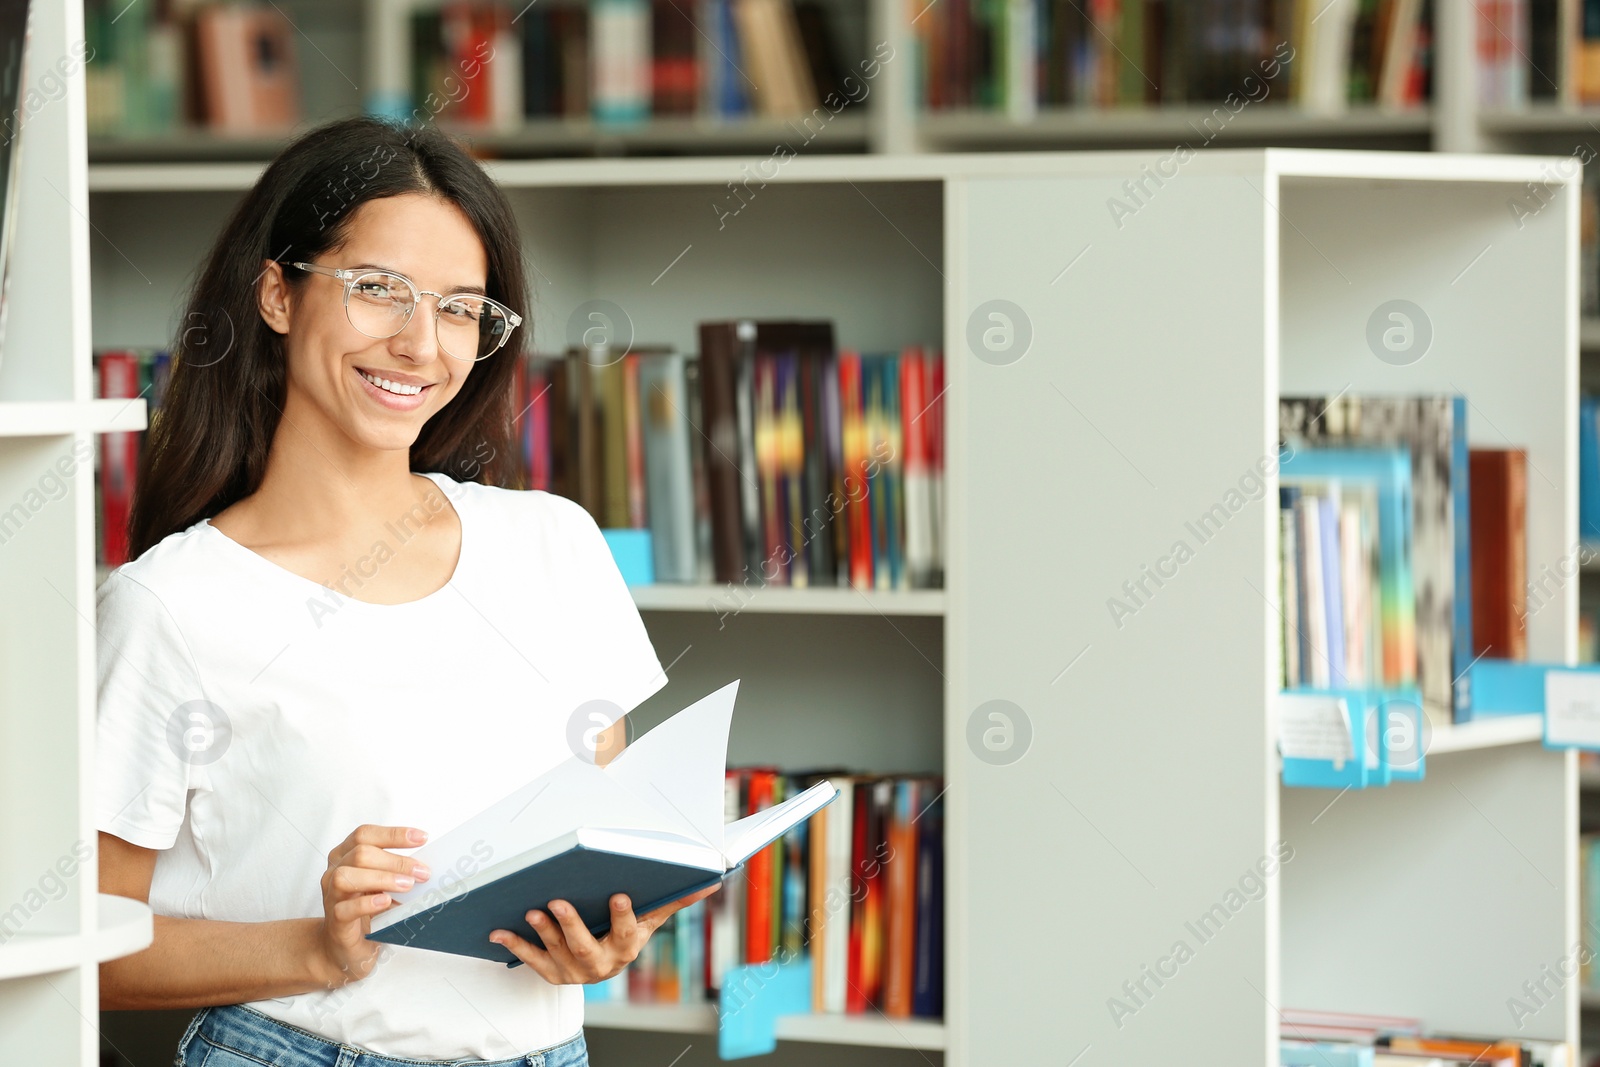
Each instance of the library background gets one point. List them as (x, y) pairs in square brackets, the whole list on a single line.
[(1140, 450)]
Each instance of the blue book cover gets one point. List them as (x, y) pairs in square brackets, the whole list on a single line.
[(1588, 470), (731, 98), (581, 833), (1461, 506), (1389, 470)]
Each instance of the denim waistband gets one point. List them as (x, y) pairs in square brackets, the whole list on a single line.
[(242, 1029)]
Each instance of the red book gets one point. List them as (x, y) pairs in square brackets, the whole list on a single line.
[(853, 434), (759, 874), (1499, 499), (119, 459)]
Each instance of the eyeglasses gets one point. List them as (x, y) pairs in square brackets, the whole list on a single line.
[(379, 303)]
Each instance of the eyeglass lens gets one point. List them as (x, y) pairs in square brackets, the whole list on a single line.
[(468, 327)]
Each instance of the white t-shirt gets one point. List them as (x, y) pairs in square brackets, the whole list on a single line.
[(325, 712)]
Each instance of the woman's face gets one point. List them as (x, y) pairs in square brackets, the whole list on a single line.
[(334, 369)]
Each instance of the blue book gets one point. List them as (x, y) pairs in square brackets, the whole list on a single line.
[(1588, 470), (1389, 471), (648, 824), (1461, 508)]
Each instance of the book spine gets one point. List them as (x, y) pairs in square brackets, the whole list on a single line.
[(633, 441), (1461, 640), (853, 421), (855, 1000), (902, 865), (927, 986), (719, 414), (119, 458), (792, 456), (758, 880)]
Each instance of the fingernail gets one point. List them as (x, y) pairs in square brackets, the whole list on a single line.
[(381, 899), (421, 872), (535, 917), (621, 904), (416, 836), (402, 882)]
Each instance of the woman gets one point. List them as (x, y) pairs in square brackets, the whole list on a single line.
[(334, 640)]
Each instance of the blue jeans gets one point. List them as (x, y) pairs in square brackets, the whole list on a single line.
[(237, 1036)]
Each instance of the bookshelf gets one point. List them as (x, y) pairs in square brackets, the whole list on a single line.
[(55, 927), (1150, 385)]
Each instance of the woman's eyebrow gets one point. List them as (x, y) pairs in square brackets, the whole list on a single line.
[(474, 289)]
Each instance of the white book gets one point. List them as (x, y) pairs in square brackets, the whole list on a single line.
[(649, 824)]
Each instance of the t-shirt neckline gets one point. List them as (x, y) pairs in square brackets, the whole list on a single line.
[(266, 564)]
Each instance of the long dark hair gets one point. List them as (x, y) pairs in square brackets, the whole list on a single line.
[(207, 447)]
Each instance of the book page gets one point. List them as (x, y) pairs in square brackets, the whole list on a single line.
[(678, 767)]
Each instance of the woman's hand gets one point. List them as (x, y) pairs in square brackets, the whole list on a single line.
[(572, 956), (355, 888)]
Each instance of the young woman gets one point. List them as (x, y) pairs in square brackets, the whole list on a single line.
[(335, 640)]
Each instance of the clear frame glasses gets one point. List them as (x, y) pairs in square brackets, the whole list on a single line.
[(379, 304)]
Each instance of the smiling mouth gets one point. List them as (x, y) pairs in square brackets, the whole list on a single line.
[(397, 388)]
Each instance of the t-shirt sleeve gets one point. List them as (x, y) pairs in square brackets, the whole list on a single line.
[(146, 674), (628, 670)]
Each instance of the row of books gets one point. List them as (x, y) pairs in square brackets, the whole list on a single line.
[(857, 889), (1106, 53), (1348, 1039), (485, 62), (154, 68), (1403, 553), (1530, 50), (772, 458)]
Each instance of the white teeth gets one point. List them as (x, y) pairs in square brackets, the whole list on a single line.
[(392, 387)]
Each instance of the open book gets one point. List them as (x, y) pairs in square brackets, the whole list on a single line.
[(648, 824)]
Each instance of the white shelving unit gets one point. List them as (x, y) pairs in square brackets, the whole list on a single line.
[(55, 928), (1148, 389)]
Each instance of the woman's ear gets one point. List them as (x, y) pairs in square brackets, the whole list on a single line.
[(272, 296)]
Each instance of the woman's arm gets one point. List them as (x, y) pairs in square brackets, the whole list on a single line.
[(196, 963)]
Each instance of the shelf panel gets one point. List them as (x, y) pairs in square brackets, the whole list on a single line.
[(47, 418), (875, 1031), (787, 600), (679, 134), (1539, 118), (1161, 124), (1487, 733), (126, 926)]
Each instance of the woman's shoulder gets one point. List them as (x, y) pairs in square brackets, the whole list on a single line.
[(516, 505)]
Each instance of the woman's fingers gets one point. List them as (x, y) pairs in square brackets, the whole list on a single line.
[(350, 881), (654, 919), (579, 943), (354, 909), (624, 924), (536, 958)]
